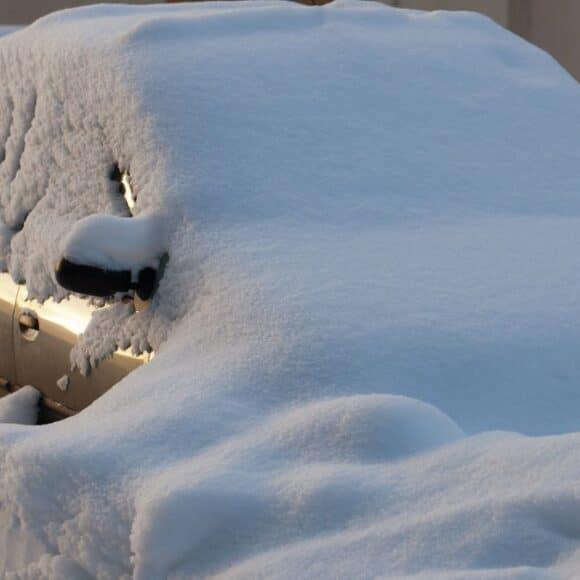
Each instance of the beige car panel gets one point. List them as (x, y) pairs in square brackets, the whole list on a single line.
[(43, 337)]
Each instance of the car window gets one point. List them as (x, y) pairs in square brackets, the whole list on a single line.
[(125, 187)]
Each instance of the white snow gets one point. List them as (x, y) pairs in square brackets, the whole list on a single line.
[(63, 383), (367, 334), (117, 243), (20, 407), (5, 238), (7, 29)]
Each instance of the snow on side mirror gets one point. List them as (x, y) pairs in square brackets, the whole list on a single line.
[(104, 255)]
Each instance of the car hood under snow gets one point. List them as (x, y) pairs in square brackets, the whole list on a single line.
[(373, 221)]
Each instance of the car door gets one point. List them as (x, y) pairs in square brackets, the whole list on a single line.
[(43, 337), (8, 294)]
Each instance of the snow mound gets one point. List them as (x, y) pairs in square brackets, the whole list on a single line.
[(366, 428), (20, 407), (372, 222)]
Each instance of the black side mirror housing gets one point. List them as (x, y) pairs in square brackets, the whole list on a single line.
[(94, 281)]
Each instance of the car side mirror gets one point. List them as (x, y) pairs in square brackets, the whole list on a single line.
[(104, 255), (94, 281)]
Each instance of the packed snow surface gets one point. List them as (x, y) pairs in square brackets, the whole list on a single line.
[(367, 334)]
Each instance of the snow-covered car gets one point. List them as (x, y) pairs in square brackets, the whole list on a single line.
[(36, 343), (37, 338), (367, 332)]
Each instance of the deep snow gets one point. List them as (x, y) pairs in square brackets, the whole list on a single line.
[(373, 223)]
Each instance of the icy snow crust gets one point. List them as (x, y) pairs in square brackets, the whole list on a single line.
[(373, 222)]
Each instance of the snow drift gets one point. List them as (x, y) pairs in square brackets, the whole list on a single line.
[(373, 222), (20, 407)]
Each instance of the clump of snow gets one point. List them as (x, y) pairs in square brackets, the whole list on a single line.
[(5, 237), (117, 243), (113, 327), (20, 407), (373, 220), (63, 383)]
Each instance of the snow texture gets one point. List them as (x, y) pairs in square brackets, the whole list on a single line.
[(367, 333), (117, 243), (20, 407), (5, 238)]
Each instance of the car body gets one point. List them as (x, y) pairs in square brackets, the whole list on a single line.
[(38, 336), (37, 339)]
